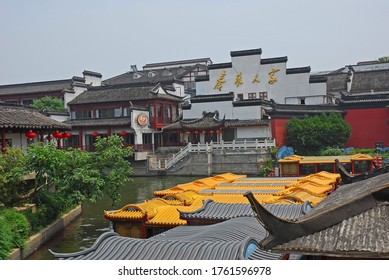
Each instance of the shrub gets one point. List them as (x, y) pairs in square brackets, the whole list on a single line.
[(5, 239), (330, 151), (14, 230), (19, 226), (265, 167)]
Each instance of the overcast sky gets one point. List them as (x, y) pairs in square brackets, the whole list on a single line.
[(44, 40)]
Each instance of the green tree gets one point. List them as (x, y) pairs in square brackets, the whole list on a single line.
[(49, 103), (383, 59), (73, 174), (12, 169), (311, 134)]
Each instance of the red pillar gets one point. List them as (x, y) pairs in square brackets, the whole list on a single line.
[(3, 142)]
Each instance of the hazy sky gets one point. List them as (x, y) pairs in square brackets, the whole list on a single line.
[(44, 40)]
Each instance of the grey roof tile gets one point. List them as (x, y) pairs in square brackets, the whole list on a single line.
[(121, 93), (23, 117), (48, 86), (224, 241), (223, 211)]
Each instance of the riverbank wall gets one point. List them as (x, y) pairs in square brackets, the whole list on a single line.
[(210, 163), (40, 238)]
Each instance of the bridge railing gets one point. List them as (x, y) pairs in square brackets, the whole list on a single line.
[(238, 146)]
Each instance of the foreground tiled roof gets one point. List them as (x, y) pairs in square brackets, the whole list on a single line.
[(352, 222), (365, 235), (23, 117), (223, 211), (230, 240)]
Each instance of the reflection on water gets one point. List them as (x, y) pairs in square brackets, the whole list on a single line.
[(82, 233)]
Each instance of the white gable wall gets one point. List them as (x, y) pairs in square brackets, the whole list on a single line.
[(287, 85)]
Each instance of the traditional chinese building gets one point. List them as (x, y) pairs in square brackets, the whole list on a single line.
[(135, 111), (65, 89), (22, 125), (166, 73), (237, 94), (362, 91)]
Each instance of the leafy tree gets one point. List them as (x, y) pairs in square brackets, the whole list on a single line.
[(383, 59), (12, 169), (49, 103), (74, 174), (311, 134)]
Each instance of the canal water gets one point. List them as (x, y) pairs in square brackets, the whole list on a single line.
[(83, 232)]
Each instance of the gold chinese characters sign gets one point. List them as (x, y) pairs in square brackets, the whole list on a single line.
[(142, 119), (220, 81)]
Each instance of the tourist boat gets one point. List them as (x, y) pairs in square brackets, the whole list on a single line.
[(296, 165)]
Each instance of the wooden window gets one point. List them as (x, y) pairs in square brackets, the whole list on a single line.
[(290, 169), (263, 95), (252, 95), (307, 169), (329, 167), (240, 96)]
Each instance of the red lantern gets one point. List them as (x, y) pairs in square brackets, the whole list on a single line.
[(218, 131), (66, 135), (123, 133), (211, 132), (30, 134), (196, 132), (188, 132), (204, 132), (95, 134), (57, 135)]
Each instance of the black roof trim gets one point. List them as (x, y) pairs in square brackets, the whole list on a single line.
[(246, 52), (251, 102), (220, 65), (91, 73), (298, 70), (274, 60), (202, 78), (317, 79), (78, 79), (213, 97)]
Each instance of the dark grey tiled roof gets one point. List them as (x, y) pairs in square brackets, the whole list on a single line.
[(234, 229), (154, 76), (212, 97), (365, 99), (370, 80), (301, 110), (252, 102), (242, 123), (119, 93), (100, 122), (365, 235), (246, 52), (202, 61), (224, 241), (48, 86), (298, 70), (353, 221), (223, 211), (272, 60), (23, 117), (207, 121)]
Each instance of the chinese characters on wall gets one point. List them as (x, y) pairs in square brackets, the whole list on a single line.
[(272, 79)]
